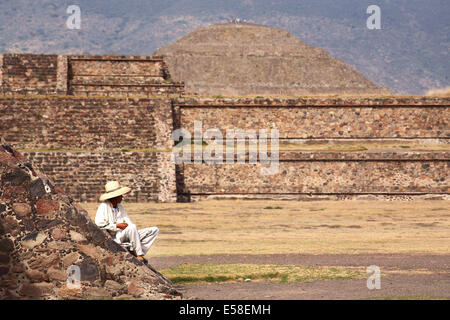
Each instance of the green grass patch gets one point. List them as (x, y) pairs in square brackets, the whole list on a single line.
[(270, 207), (146, 212), (194, 273)]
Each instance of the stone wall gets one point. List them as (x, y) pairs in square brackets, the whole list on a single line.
[(82, 143), (322, 174), (86, 75), (28, 74), (325, 173), (322, 118), (74, 123), (84, 174), (120, 76)]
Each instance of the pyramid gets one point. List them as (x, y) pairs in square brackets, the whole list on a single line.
[(249, 59), (50, 248)]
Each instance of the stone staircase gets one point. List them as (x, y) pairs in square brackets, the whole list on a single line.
[(120, 76)]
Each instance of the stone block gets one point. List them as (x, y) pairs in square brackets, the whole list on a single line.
[(57, 274), (75, 236), (58, 234), (90, 250), (135, 290), (95, 292), (70, 259), (21, 209), (69, 293), (44, 261), (33, 240), (30, 290), (35, 275), (47, 208), (113, 285)]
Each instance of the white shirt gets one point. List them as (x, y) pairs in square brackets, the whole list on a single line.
[(107, 217)]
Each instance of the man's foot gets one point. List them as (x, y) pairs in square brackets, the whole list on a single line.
[(141, 258)]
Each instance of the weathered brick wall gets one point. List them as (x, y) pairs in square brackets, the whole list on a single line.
[(90, 139), (120, 75), (83, 174), (323, 118), (86, 75), (321, 173), (28, 74), (80, 123), (326, 173), (103, 127)]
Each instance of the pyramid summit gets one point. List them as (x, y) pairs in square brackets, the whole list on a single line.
[(239, 59)]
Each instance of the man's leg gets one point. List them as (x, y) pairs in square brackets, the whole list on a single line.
[(131, 234), (147, 237)]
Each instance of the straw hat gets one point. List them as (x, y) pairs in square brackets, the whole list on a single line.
[(113, 189)]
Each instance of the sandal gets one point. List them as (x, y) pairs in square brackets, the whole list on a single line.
[(141, 258)]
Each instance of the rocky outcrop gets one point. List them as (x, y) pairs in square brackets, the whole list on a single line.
[(50, 249)]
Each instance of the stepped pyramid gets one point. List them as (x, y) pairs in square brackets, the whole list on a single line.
[(249, 59)]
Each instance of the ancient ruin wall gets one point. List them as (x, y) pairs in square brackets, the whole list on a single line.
[(330, 174), (82, 143), (73, 123), (83, 174), (120, 76), (28, 74), (322, 118), (307, 173), (86, 75), (90, 140)]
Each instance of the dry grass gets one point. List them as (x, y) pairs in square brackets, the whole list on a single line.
[(338, 147), (240, 226), (445, 92), (366, 145)]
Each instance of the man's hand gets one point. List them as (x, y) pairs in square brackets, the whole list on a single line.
[(122, 225)]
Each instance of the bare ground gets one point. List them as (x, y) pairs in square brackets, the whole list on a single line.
[(403, 276), (408, 240)]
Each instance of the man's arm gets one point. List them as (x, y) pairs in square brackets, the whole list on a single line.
[(102, 221), (125, 215)]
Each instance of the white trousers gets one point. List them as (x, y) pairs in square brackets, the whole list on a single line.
[(141, 240)]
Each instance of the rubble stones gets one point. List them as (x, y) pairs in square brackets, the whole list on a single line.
[(21, 209), (34, 239)]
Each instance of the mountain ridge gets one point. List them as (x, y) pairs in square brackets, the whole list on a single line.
[(409, 55)]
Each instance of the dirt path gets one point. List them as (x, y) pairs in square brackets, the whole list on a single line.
[(422, 275)]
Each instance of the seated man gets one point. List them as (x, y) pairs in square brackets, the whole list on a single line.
[(112, 217)]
